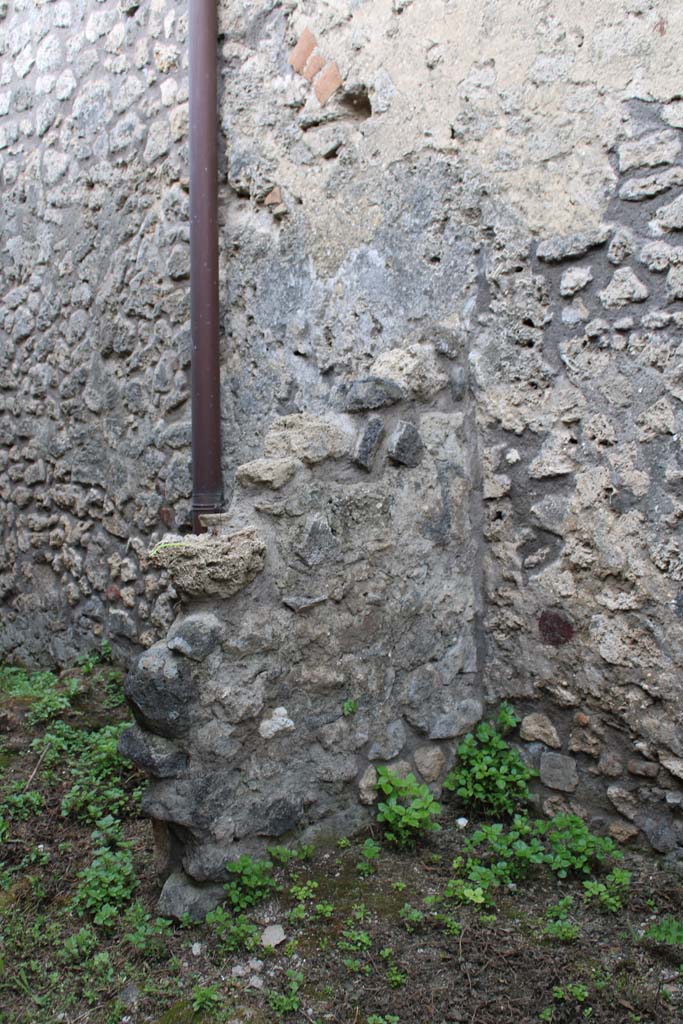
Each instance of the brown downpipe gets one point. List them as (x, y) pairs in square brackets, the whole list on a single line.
[(207, 486)]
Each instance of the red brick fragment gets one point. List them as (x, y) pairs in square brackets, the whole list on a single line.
[(327, 82), (314, 64), (303, 50)]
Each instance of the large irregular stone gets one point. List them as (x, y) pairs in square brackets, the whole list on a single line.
[(556, 457), (559, 772), (674, 284), (414, 369), (430, 762), (368, 442), (390, 744), (638, 189), (672, 764), (658, 256), (623, 289), (672, 113), (195, 635), (210, 564), (318, 544), (671, 215), (308, 438), (367, 792), (160, 691), (537, 728), (574, 279), (624, 800), (657, 148), (181, 897), (153, 754), (369, 393), (405, 445), (564, 247), (272, 473), (457, 720)]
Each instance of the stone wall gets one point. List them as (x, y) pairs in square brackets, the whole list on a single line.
[(405, 184)]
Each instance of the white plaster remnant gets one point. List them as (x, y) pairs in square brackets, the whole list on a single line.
[(279, 721)]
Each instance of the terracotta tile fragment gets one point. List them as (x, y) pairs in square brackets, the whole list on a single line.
[(327, 82), (274, 197), (315, 64), (303, 50)]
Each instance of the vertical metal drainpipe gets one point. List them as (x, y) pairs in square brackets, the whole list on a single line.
[(207, 486)]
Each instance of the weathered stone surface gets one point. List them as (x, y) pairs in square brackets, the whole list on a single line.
[(195, 635), (430, 762), (671, 215), (584, 741), (274, 935), (638, 189), (610, 764), (160, 691), (405, 445), (389, 743), (559, 772), (462, 717), (152, 753), (623, 289), (181, 896), (279, 721), (622, 832), (554, 250), (672, 764), (653, 149), (212, 565), (414, 369), (307, 438), (537, 727), (624, 800), (645, 769), (368, 442), (370, 393), (674, 284), (273, 473), (574, 279), (367, 794), (622, 246)]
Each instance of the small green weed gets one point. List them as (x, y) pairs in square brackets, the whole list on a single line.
[(19, 804), (490, 775), (252, 882), (369, 851), (206, 999), (411, 917), (408, 809), (668, 930), (349, 707), (233, 932), (288, 1002), (608, 894), (106, 885)]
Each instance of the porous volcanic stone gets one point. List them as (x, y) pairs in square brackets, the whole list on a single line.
[(212, 565)]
